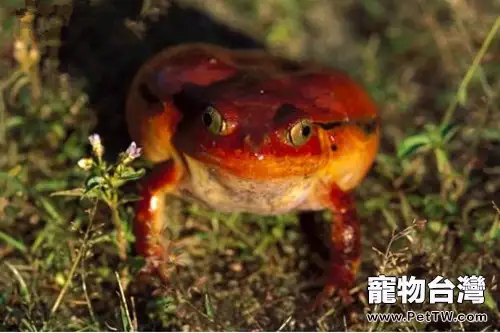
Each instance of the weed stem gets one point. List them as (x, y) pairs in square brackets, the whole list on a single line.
[(470, 72), (81, 252)]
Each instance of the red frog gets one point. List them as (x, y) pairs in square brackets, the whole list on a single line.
[(246, 131)]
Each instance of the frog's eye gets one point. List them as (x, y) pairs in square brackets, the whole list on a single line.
[(300, 133), (213, 120)]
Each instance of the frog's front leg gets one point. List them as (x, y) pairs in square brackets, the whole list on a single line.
[(345, 245), (149, 216)]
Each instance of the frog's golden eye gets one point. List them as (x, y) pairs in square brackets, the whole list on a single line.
[(300, 132), (213, 120)]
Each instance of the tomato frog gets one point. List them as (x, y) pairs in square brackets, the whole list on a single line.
[(247, 131)]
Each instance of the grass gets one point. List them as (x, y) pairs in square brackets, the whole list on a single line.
[(429, 206)]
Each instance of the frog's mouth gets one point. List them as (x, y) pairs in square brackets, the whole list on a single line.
[(261, 167)]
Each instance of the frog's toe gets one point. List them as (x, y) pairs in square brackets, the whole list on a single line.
[(164, 264), (339, 280)]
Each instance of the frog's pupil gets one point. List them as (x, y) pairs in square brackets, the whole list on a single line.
[(207, 119), (306, 130)]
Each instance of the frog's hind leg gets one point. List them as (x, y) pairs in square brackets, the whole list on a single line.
[(312, 229), (149, 216), (345, 246)]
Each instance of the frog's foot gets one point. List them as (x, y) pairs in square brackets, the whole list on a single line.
[(339, 278), (157, 268), (164, 262)]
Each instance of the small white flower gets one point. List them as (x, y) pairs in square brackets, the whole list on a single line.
[(34, 55), (19, 45), (95, 142), (95, 139), (133, 151), (19, 51), (85, 163)]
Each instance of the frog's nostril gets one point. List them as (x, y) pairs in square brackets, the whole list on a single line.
[(252, 143)]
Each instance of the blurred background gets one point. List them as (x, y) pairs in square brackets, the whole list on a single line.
[(429, 206)]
